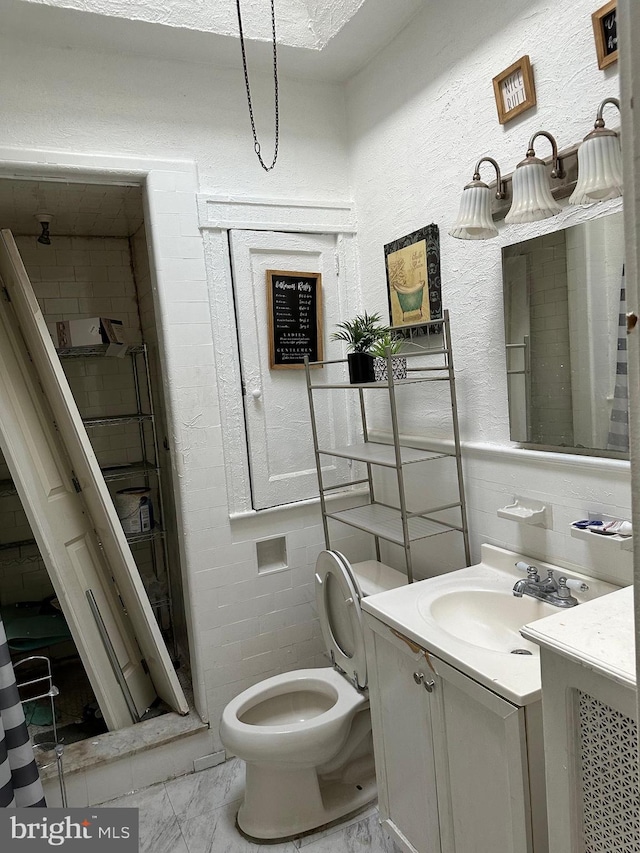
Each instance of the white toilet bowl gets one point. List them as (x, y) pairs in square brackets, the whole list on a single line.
[(296, 719), (306, 735)]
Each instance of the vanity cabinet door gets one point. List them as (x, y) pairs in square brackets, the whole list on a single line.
[(483, 742), (401, 714)]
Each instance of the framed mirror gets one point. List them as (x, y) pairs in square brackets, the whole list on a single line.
[(565, 333)]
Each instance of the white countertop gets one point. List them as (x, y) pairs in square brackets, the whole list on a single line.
[(514, 677), (599, 633)]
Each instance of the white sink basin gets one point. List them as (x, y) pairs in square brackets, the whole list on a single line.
[(471, 619), (490, 619)]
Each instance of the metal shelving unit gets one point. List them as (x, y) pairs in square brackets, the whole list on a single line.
[(147, 468), (396, 524), (144, 470)]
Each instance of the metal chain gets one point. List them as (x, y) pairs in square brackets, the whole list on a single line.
[(256, 144)]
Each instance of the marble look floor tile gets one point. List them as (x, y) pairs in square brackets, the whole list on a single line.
[(159, 828), (366, 836), (366, 812), (216, 832), (200, 793)]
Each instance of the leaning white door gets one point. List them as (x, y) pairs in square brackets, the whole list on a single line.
[(72, 514), (281, 458)]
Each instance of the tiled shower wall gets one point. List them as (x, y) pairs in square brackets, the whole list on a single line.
[(78, 277)]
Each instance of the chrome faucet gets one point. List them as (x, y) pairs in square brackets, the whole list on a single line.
[(556, 592)]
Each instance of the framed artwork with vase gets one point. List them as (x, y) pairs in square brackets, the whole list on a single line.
[(414, 287)]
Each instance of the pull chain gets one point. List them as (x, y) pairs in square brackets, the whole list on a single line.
[(256, 144)]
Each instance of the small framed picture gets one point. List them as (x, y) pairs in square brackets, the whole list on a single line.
[(414, 289), (605, 31), (514, 90)]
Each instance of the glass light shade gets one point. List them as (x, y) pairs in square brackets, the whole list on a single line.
[(599, 168), (474, 220), (532, 199)]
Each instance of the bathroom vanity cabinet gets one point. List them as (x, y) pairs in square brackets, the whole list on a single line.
[(459, 768), (588, 669)]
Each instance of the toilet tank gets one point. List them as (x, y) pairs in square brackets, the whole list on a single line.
[(374, 577)]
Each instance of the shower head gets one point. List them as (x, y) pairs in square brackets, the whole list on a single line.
[(45, 221)]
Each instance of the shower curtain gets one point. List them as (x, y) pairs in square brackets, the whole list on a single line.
[(619, 419), (20, 785)]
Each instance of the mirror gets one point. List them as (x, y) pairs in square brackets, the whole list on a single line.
[(564, 310)]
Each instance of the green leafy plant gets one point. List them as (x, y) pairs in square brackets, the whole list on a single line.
[(361, 333), (388, 341)]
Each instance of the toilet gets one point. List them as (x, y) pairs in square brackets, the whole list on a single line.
[(305, 735)]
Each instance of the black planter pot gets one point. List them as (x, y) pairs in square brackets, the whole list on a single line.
[(360, 367)]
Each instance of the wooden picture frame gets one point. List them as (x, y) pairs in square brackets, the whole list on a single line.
[(294, 318), (605, 32), (514, 90), (414, 287)]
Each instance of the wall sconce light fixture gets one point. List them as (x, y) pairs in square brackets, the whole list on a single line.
[(599, 163), (474, 220), (532, 199)]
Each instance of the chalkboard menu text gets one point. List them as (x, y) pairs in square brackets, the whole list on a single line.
[(294, 312)]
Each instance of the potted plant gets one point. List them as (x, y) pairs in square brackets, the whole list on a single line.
[(388, 344), (360, 335)]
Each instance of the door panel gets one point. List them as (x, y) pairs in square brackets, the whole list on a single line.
[(401, 716), (79, 534), (36, 460), (281, 458), (480, 730)]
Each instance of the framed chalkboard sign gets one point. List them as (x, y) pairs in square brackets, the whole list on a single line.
[(294, 315), (605, 31)]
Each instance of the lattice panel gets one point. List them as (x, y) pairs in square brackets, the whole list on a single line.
[(609, 770)]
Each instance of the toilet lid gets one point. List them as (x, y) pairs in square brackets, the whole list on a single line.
[(338, 601)]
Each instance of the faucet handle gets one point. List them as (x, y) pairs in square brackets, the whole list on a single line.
[(574, 583), (565, 585), (532, 572)]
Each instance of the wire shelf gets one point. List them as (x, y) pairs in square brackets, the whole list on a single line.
[(137, 538), (117, 419), (99, 350), (123, 472)]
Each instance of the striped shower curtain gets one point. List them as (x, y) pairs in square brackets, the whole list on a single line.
[(618, 438), (20, 784)]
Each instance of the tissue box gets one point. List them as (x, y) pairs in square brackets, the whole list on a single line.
[(89, 332)]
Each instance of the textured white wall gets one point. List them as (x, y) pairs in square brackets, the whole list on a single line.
[(80, 101), (244, 628), (420, 115)]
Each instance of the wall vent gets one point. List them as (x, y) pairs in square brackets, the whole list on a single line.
[(608, 768)]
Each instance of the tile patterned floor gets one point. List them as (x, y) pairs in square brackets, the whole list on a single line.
[(196, 814)]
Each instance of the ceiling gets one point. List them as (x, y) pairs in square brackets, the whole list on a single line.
[(80, 210), (318, 39)]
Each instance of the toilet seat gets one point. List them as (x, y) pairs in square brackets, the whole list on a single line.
[(340, 616)]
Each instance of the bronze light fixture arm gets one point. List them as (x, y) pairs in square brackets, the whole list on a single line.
[(501, 189), (557, 171), (599, 120)]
